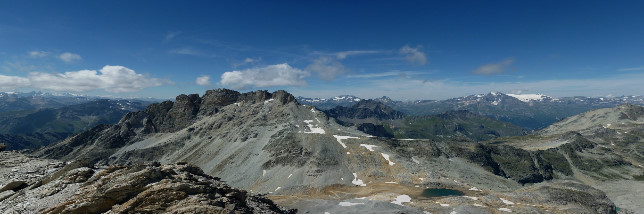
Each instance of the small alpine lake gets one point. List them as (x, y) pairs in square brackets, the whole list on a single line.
[(438, 192)]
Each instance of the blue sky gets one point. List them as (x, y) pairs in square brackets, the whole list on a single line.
[(400, 49)]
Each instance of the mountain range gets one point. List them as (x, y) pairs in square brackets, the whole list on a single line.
[(376, 118), (531, 111), (316, 161), (29, 129)]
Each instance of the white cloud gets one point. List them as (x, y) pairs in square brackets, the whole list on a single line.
[(203, 80), (344, 54), (494, 68), (38, 54), (269, 76), (116, 79), (326, 68), (631, 69), (69, 57), (13, 82), (252, 60), (413, 55)]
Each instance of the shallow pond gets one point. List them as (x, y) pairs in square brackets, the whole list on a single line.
[(441, 192)]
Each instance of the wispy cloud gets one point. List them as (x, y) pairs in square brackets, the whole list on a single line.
[(171, 35), (641, 68), (69, 57), (203, 80), (326, 68), (404, 74), (494, 68), (413, 55), (345, 54), (191, 51), (248, 60), (269, 76), (116, 79), (38, 54)]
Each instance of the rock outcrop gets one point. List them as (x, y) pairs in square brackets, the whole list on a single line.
[(155, 188), (78, 187)]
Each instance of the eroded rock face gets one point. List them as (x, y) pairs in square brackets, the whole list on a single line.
[(143, 188), (164, 117), (154, 188)]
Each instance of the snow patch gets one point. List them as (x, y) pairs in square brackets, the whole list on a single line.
[(478, 205), (453, 212), (391, 182), (277, 189), (340, 138), (444, 205), (314, 130), (471, 197), (415, 161), (357, 181), (348, 153), (529, 97), (267, 101), (475, 189), (505, 209), (289, 176), (369, 147), (402, 199), (506, 201), (386, 156), (263, 172), (347, 204)]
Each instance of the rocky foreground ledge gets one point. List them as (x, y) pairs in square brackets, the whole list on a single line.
[(31, 185)]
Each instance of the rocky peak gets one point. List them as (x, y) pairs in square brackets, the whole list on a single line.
[(631, 111), (384, 99), (283, 97), (366, 109)]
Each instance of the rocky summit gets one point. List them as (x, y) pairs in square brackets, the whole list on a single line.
[(301, 158)]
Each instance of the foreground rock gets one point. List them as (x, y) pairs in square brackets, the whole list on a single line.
[(144, 188)]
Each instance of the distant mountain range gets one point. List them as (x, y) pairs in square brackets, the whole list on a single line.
[(21, 101), (39, 127), (376, 118), (531, 111)]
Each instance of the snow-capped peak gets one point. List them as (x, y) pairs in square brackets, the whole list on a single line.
[(530, 97)]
